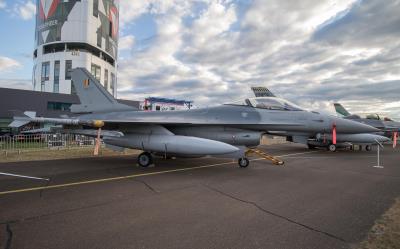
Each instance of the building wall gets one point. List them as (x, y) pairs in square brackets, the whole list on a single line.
[(83, 31)]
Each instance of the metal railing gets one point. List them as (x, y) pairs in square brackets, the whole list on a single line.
[(44, 142)]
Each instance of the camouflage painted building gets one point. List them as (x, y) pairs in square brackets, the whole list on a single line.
[(75, 33)]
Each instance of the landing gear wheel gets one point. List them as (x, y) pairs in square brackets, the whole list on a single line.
[(243, 162), (145, 159), (332, 148), (368, 147), (311, 147)]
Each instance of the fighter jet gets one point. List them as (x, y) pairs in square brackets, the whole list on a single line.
[(388, 127), (325, 140), (225, 131)]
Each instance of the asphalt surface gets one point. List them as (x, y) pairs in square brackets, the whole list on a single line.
[(317, 200)]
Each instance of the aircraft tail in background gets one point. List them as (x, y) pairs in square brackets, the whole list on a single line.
[(262, 92), (341, 110)]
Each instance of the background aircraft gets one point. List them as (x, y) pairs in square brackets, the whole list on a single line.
[(326, 140), (389, 127), (224, 131)]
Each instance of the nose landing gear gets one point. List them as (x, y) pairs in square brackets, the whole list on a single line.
[(243, 162)]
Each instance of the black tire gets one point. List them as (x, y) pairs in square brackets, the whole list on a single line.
[(368, 147), (243, 162), (311, 147), (332, 148), (145, 159)]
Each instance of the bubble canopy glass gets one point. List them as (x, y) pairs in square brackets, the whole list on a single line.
[(269, 103)]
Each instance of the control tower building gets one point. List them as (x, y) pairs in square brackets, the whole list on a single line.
[(75, 33)]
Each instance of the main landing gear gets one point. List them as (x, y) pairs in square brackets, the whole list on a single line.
[(332, 147), (145, 159)]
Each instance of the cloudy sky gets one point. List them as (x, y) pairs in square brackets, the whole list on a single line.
[(312, 52)]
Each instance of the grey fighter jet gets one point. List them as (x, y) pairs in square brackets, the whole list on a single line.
[(223, 131), (326, 140), (388, 127)]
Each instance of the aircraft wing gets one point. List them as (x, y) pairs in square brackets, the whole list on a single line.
[(97, 121)]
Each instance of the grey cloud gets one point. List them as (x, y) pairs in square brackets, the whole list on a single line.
[(189, 84), (367, 23), (352, 58), (343, 90)]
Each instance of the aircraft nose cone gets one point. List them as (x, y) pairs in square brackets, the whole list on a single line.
[(350, 126)]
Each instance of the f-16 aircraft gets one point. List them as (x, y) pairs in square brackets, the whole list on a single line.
[(389, 127), (326, 140), (224, 131)]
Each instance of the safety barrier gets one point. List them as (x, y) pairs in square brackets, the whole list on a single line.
[(44, 142)]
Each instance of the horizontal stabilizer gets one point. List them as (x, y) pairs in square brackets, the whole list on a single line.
[(22, 119), (30, 114), (18, 123)]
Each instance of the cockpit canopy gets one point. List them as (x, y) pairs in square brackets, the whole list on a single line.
[(373, 116), (269, 103)]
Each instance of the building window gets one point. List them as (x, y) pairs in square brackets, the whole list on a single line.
[(58, 106), (42, 86), (158, 108), (112, 85), (96, 8), (68, 69), (56, 87), (106, 79), (96, 71), (45, 71)]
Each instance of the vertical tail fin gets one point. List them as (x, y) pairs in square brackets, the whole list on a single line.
[(92, 95), (262, 92), (341, 110)]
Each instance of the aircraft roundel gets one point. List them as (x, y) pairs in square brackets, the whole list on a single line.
[(113, 17), (47, 8)]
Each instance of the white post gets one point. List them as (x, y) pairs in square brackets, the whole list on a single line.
[(378, 151), (378, 156)]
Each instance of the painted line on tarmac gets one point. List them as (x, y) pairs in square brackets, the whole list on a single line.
[(127, 177), (22, 176)]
